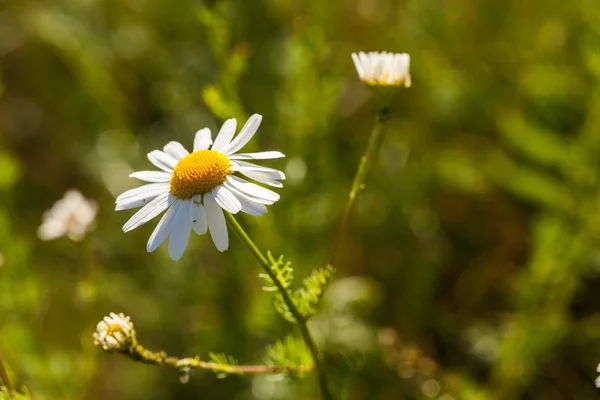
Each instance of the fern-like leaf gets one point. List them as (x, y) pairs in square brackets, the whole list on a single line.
[(289, 351), (282, 271), (307, 298), (223, 360)]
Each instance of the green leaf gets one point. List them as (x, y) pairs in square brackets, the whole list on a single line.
[(282, 271), (290, 352), (9, 171), (5, 394), (223, 360), (308, 297), (538, 145), (528, 183)]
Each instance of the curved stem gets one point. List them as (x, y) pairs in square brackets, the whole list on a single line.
[(138, 353), (358, 183), (285, 294)]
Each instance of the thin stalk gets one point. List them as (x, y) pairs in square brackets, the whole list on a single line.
[(358, 183), (5, 377), (138, 353), (300, 320)]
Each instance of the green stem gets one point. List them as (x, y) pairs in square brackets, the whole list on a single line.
[(5, 377), (358, 184), (300, 320), (138, 353)]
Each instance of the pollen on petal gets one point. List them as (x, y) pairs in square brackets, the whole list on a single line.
[(199, 173)]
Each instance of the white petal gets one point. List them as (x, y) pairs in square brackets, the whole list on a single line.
[(202, 139), (263, 155), (52, 229), (162, 160), (152, 176), (252, 189), (180, 230), (243, 194), (265, 175), (358, 65), (262, 177), (198, 218), (175, 150), (216, 222), (162, 230), (251, 207), (140, 196), (226, 199), (149, 211), (246, 166), (245, 134), (225, 135)]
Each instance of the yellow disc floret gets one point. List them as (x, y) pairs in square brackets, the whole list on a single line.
[(199, 173)]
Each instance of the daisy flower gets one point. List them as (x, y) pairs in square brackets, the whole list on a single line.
[(383, 69), (194, 188), (114, 332), (71, 216)]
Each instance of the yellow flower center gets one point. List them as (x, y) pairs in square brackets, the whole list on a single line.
[(113, 328), (199, 173)]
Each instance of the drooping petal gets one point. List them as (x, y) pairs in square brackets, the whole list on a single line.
[(262, 177), (180, 230), (216, 222), (162, 160), (263, 155), (244, 194), (245, 134), (225, 135), (246, 166), (252, 189), (226, 199), (251, 207), (175, 150), (202, 140), (162, 230), (149, 211), (140, 196), (198, 217), (151, 176)]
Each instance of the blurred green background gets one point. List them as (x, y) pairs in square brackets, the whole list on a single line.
[(472, 267)]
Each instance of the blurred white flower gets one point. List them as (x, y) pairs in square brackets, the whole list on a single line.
[(114, 332), (194, 188), (383, 69), (597, 381), (72, 216)]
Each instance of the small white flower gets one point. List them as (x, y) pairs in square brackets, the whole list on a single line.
[(72, 216), (114, 332), (194, 188), (383, 69)]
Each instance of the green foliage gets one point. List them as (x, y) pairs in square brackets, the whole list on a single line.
[(483, 208), (222, 98), (282, 271), (290, 351), (307, 298), (224, 360), (5, 394)]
